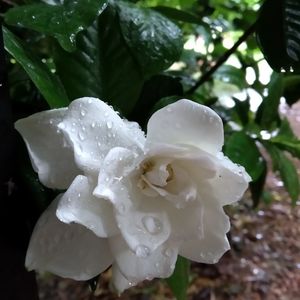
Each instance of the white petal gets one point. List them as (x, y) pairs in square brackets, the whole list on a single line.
[(50, 154), (119, 281), (160, 263), (189, 123), (93, 128), (80, 206), (144, 228), (67, 250), (212, 242), (231, 181)]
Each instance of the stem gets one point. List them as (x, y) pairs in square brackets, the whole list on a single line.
[(206, 76)]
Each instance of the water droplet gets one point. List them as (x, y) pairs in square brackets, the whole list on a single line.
[(79, 195), (99, 144), (152, 225), (109, 125), (81, 136), (106, 114), (142, 251), (82, 113), (51, 121), (90, 101), (168, 252), (93, 125)]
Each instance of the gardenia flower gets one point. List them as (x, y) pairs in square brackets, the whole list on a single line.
[(132, 202)]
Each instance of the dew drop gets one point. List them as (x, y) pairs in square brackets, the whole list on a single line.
[(83, 113), (106, 114), (93, 125), (109, 125), (81, 136), (79, 195), (152, 225), (168, 252), (51, 121), (142, 251)]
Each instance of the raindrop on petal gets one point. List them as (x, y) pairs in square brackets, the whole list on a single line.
[(152, 225), (142, 251)]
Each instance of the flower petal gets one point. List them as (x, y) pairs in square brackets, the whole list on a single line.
[(93, 128), (160, 263), (80, 206), (231, 181), (119, 281), (186, 122), (51, 156), (212, 242), (67, 250)]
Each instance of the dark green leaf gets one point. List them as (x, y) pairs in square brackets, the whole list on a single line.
[(278, 33), (47, 83), (257, 186), (291, 88), (61, 21), (154, 41), (241, 149), (154, 89), (178, 15), (242, 109), (102, 66), (267, 113), (179, 281), (287, 171)]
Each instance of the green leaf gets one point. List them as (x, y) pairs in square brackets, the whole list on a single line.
[(178, 15), (257, 186), (157, 87), (102, 66), (287, 171), (179, 281), (61, 21), (267, 113), (47, 83), (232, 75), (154, 41), (278, 33), (241, 149), (291, 89)]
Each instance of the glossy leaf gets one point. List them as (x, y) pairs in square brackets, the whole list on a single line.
[(287, 171), (241, 149), (179, 281), (102, 66), (178, 15), (47, 83), (278, 33), (267, 113), (154, 41), (61, 21)]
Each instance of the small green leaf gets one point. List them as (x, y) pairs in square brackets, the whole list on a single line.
[(257, 186), (286, 139), (287, 171), (61, 21), (155, 42), (267, 113), (47, 83), (241, 149), (179, 281), (232, 75)]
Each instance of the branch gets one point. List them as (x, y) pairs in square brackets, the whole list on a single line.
[(206, 76)]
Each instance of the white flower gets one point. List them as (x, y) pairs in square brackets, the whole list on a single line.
[(131, 201)]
